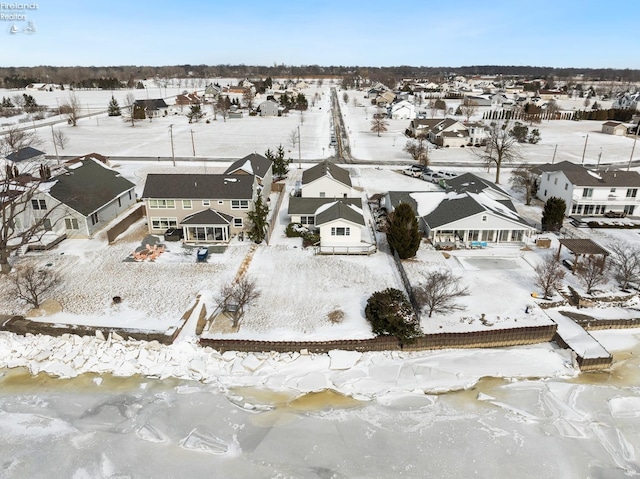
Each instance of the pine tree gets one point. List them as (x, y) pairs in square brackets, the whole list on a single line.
[(403, 234), (280, 166), (258, 219), (553, 214), (114, 108)]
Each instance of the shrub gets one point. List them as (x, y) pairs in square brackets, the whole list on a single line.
[(296, 230), (391, 314)]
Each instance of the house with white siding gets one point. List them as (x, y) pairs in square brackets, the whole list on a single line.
[(589, 192), (326, 180)]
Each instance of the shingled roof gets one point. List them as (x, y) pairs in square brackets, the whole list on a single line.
[(88, 185), (208, 217), (326, 168), (23, 154), (339, 210), (309, 206), (195, 186), (580, 176), (252, 164)]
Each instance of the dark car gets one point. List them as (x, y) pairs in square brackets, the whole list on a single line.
[(173, 234)]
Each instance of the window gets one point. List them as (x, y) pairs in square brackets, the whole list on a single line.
[(46, 224), (504, 235), (206, 202), (339, 231), (129, 194), (221, 202), (573, 209), (94, 218), (579, 210), (186, 204), (632, 192), (119, 202), (587, 193), (545, 193), (612, 190), (164, 223), (308, 220), (555, 182), (39, 204), (484, 218), (239, 204), (566, 186), (548, 176), (588, 209), (237, 222), (162, 204), (629, 209), (71, 223), (517, 235), (322, 194), (474, 235)]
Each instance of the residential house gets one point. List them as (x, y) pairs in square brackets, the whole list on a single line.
[(269, 108), (478, 133), (153, 108), (340, 225), (614, 128), (326, 180), (211, 92), (385, 98), (26, 160), (470, 212), (449, 132), (258, 166), (588, 192), (82, 198), (628, 101), (304, 210), (208, 208), (188, 99), (402, 110)]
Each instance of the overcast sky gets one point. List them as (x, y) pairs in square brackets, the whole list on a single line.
[(572, 33)]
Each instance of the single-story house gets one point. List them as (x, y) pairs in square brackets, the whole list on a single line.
[(340, 225), (269, 108), (82, 199)]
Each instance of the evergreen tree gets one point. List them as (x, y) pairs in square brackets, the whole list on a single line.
[(258, 219), (553, 214), (402, 231), (280, 165), (195, 113), (114, 108), (391, 314)]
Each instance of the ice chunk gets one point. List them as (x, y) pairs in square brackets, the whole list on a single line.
[(343, 359), (205, 442)]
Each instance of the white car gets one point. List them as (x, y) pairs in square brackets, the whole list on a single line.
[(414, 170), (432, 176), (447, 174)]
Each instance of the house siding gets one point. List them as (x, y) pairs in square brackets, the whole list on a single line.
[(327, 185)]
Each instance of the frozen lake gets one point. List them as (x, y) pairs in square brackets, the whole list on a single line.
[(109, 427)]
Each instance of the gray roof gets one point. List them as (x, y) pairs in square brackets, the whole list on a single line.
[(454, 209), (195, 186), (326, 168), (152, 104), (259, 165), (580, 176), (468, 182), (397, 197), (208, 217), (339, 210), (309, 206), (22, 154), (89, 187)]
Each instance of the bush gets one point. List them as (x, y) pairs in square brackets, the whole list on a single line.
[(309, 239), (391, 314), (296, 230)]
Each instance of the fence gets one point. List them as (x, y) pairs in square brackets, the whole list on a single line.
[(127, 221), (279, 187), (473, 339)]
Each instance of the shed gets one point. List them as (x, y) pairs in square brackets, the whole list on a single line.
[(582, 247)]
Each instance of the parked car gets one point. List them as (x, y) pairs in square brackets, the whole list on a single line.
[(433, 177), (414, 170), (447, 174)]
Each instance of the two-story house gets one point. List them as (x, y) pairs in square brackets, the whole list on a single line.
[(257, 165), (208, 208), (588, 192)]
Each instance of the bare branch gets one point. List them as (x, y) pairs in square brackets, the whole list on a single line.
[(439, 291)]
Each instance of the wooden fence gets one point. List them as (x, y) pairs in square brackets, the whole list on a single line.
[(127, 221)]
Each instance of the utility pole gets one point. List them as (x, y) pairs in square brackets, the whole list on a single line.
[(53, 137), (173, 156), (193, 145), (634, 146), (585, 147), (554, 154), (299, 154)]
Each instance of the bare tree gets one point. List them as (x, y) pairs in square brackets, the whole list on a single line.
[(71, 109), (379, 124), (525, 181), (234, 297), (468, 108), (549, 275), (418, 149), (25, 216), (60, 139), (17, 138), (501, 147), (439, 291), (431, 105), (293, 138), (345, 97), (247, 98), (552, 109), (32, 283), (625, 261), (592, 271)]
